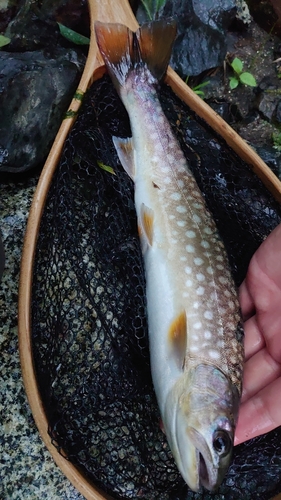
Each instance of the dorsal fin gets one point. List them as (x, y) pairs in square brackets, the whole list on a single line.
[(123, 50)]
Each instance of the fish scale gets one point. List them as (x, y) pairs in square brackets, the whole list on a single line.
[(195, 332)]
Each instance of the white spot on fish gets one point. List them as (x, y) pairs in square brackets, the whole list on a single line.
[(219, 258), (205, 244), (190, 234), (214, 354), (223, 280), (208, 315), (185, 295), (181, 209), (207, 334), (172, 216), (200, 290), (196, 305), (197, 325), (188, 270), (194, 348), (190, 249), (200, 277), (209, 270), (175, 196), (194, 337), (198, 261), (174, 241), (167, 180), (188, 283), (154, 136), (180, 183), (181, 223), (220, 267), (196, 218), (207, 230), (183, 258), (198, 206)]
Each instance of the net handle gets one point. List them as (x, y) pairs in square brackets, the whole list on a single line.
[(110, 11)]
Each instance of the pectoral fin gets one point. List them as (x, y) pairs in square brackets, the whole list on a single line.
[(146, 223), (126, 154), (177, 338)]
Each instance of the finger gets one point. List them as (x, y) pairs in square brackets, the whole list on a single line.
[(259, 371), (260, 414), (246, 301), (253, 340)]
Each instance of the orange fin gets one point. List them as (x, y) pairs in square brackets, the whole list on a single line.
[(147, 219), (177, 337), (126, 154), (123, 50)]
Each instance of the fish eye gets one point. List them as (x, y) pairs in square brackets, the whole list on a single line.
[(222, 443)]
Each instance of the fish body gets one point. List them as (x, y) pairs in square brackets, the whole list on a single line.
[(195, 332)]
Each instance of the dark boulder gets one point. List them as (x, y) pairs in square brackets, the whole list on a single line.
[(35, 91), (202, 26)]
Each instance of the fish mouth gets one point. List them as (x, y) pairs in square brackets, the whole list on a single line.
[(195, 462), (209, 475)]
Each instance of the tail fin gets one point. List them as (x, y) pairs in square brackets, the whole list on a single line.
[(124, 50)]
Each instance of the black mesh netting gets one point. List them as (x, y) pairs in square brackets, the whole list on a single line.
[(89, 315)]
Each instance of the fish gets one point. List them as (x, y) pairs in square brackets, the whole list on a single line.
[(194, 321)]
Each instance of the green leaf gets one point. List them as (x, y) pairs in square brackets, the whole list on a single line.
[(248, 79), (200, 86), (160, 4), (72, 36), (237, 65), (148, 8), (199, 92), (233, 83), (4, 40), (106, 167)]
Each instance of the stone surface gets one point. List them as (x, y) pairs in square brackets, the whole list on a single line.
[(27, 470), (35, 91), (200, 44)]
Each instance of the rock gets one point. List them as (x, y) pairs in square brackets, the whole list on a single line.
[(7, 12), (200, 43), (256, 131), (278, 112), (269, 97), (35, 24), (271, 157), (35, 92), (2, 258)]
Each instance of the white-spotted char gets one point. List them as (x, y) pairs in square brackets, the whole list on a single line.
[(195, 331)]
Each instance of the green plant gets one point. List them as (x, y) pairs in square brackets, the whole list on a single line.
[(240, 76), (73, 36), (152, 7), (4, 40), (276, 138), (197, 88)]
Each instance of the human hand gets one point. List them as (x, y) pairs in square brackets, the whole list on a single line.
[(260, 299)]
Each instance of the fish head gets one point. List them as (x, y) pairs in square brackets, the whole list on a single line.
[(200, 417)]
